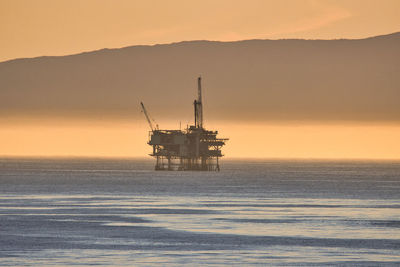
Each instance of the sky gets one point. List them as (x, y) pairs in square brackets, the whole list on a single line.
[(301, 140), (47, 27)]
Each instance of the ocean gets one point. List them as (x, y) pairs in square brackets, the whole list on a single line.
[(120, 212)]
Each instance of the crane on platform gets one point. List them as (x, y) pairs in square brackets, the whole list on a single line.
[(148, 118)]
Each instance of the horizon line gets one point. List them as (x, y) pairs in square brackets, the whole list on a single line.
[(234, 158)]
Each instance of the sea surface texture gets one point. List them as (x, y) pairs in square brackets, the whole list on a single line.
[(62, 212)]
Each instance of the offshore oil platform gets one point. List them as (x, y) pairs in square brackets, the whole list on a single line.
[(194, 149)]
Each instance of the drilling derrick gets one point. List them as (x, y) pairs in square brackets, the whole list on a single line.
[(194, 148), (198, 107)]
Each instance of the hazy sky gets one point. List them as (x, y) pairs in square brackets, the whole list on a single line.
[(247, 140), (48, 27)]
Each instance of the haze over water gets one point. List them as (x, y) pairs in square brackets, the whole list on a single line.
[(57, 212)]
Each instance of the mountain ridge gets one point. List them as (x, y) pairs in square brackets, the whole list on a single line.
[(287, 79), (394, 34)]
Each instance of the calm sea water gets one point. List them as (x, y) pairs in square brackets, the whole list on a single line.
[(60, 212)]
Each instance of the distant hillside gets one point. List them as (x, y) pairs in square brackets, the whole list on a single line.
[(254, 79)]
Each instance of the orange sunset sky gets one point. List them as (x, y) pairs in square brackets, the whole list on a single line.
[(47, 27), (57, 28)]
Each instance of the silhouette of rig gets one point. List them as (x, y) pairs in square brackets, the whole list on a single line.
[(194, 149)]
